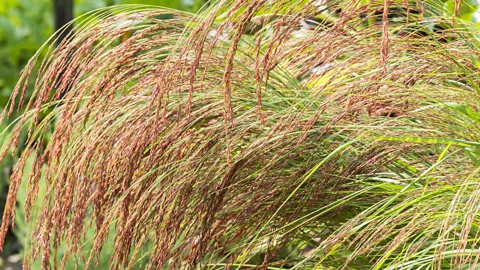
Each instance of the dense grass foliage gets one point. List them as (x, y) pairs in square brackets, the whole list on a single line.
[(271, 134)]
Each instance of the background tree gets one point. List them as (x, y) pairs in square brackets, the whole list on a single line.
[(63, 15)]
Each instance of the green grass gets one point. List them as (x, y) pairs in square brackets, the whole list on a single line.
[(189, 141)]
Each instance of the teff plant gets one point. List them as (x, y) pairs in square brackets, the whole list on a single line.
[(271, 134)]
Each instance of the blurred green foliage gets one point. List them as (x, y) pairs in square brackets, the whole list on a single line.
[(24, 26)]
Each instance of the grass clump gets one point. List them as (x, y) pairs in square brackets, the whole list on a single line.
[(270, 134)]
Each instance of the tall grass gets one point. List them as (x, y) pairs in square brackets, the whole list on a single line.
[(269, 134)]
